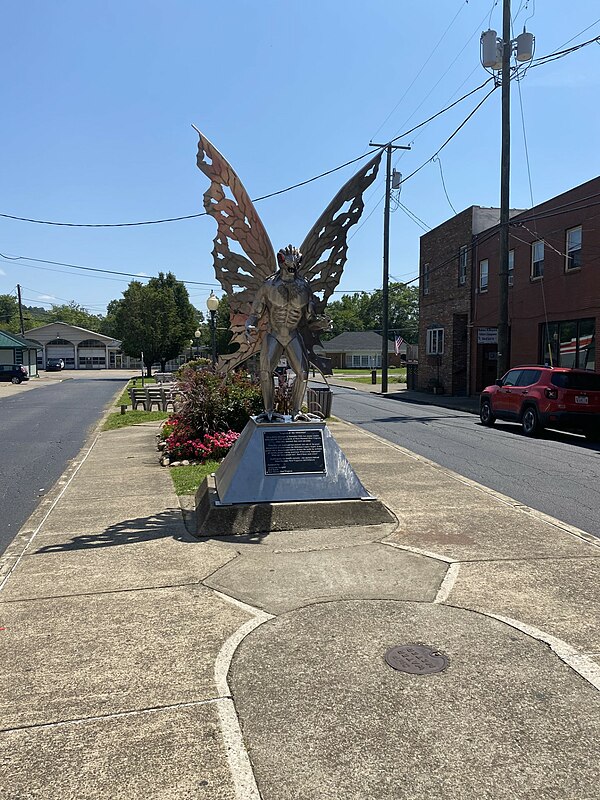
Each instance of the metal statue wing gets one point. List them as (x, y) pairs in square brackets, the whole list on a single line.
[(237, 221), (329, 234), (329, 237)]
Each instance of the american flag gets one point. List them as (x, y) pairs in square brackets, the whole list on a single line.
[(397, 342)]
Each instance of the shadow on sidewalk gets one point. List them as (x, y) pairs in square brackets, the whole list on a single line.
[(130, 531)]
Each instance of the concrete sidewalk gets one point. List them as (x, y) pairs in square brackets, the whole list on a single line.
[(139, 662)]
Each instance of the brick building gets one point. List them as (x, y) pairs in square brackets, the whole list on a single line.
[(554, 291), (446, 258)]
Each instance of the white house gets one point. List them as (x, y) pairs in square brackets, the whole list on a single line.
[(78, 347)]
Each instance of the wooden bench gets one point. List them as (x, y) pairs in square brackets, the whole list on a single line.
[(164, 377)]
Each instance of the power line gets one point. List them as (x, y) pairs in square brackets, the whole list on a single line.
[(95, 269), (439, 160), (452, 135), (187, 216), (427, 60)]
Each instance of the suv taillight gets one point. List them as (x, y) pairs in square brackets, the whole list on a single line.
[(551, 394)]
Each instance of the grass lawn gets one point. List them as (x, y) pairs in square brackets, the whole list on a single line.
[(118, 420), (188, 479), (349, 372), (361, 379)]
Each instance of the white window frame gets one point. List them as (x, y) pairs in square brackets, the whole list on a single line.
[(463, 255), (435, 341), (483, 287), (570, 249), (425, 278), (537, 264), (511, 267)]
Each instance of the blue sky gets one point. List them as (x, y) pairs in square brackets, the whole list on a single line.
[(99, 99)]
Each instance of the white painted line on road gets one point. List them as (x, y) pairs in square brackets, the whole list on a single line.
[(578, 661), (237, 755), (47, 514), (447, 584)]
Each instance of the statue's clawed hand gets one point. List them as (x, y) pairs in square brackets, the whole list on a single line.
[(251, 331)]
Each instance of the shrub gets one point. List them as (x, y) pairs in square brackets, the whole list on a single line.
[(211, 413), (209, 403)]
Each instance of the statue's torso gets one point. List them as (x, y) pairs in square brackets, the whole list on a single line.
[(286, 302)]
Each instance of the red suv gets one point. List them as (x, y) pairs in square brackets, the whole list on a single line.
[(545, 397)]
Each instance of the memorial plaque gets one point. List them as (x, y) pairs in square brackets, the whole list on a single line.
[(290, 452)]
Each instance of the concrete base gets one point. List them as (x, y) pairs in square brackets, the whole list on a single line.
[(213, 519), (280, 462)]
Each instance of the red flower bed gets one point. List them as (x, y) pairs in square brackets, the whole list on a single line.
[(183, 444)]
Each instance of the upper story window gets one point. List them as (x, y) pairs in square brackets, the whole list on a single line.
[(537, 260), (425, 278), (511, 267), (573, 248), (484, 269), (462, 265), (435, 341), (91, 343)]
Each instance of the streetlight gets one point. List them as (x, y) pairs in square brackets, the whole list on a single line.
[(197, 335), (212, 304)]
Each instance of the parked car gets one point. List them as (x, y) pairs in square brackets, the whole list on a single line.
[(54, 365), (545, 397), (15, 373)]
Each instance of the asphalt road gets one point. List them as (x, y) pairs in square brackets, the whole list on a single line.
[(558, 474), (41, 429)]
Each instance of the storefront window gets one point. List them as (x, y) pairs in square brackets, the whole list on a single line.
[(570, 343)]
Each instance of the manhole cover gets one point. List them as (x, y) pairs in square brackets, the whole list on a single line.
[(418, 659)]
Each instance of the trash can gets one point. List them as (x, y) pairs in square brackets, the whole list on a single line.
[(319, 401), (411, 376)]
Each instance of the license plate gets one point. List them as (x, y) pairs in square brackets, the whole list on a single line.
[(582, 399)]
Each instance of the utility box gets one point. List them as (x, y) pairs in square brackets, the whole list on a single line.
[(319, 401), (411, 376)]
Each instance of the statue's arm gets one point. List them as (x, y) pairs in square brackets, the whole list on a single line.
[(316, 321), (258, 308)]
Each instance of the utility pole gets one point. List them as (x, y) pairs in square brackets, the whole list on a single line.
[(496, 55), (503, 338), (20, 310), (386, 259)]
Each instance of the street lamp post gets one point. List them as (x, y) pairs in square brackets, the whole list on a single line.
[(212, 304), (197, 335)]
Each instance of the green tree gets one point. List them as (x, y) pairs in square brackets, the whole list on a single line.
[(156, 319), (108, 323), (345, 315), (363, 312), (74, 314), (9, 313), (403, 317)]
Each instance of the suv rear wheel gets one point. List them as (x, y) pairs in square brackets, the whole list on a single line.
[(485, 414), (530, 422)]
